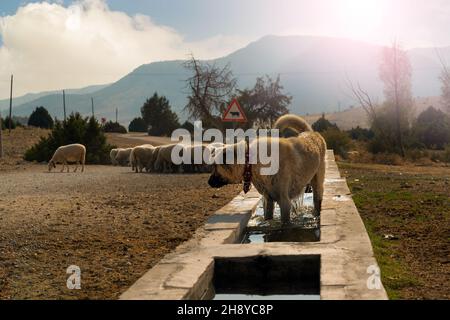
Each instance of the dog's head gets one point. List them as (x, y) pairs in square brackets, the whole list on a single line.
[(224, 172)]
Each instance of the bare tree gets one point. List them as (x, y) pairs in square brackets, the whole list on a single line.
[(210, 88), (391, 119), (445, 79), (371, 108), (396, 74), (363, 99)]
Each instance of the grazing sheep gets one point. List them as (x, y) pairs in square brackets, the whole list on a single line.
[(123, 156), (141, 156), (112, 156), (151, 163), (133, 159), (70, 153), (163, 162), (193, 167)]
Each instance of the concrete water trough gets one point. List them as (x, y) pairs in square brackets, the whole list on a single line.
[(228, 259), (267, 277), (305, 226)]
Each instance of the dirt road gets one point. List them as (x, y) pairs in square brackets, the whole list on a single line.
[(133, 139), (112, 223)]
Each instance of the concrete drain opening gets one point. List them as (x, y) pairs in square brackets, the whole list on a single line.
[(267, 278), (305, 226)]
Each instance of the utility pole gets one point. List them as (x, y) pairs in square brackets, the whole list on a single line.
[(10, 104), (92, 104), (64, 104), (117, 114)]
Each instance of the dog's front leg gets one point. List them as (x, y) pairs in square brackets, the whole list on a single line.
[(268, 208), (285, 207)]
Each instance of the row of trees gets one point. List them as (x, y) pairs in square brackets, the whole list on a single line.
[(392, 123), (431, 130), (211, 88), (4, 123), (39, 118)]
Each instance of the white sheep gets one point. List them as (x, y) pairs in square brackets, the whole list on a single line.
[(141, 157), (112, 156), (70, 153), (123, 156), (163, 160), (133, 158)]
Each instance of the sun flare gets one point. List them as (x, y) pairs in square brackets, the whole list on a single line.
[(361, 17)]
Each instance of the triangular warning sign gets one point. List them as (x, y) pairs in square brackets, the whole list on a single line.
[(234, 113)]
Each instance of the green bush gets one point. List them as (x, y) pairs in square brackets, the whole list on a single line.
[(76, 129), (337, 140), (41, 118), (138, 125), (114, 127), (323, 125), (391, 159), (14, 123), (416, 154), (446, 157), (360, 134), (441, 155), (384, 126), (432, 129)]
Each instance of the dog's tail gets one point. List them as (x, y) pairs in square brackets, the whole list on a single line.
[(291, 125)]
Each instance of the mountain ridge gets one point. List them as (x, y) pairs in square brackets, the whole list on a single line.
[(313, 70)]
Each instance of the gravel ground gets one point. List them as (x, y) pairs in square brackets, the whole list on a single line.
[(112, 223)]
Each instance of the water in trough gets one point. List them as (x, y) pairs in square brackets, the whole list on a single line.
[(305, 226)]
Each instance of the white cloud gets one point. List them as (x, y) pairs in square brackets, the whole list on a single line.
[(48, 46)]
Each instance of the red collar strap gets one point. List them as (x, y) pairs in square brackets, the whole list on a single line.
[(247, 170)]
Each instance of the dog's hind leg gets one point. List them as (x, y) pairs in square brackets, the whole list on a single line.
[(268, 208), (317, 185)]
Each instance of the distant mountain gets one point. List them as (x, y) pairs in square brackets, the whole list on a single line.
[(313, 70), (4, 104)]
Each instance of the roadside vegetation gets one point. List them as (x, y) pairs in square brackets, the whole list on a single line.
[(399, 175), (75, 129)]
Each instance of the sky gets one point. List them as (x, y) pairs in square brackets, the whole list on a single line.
[(69, 44)]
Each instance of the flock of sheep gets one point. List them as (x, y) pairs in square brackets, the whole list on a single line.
[(148, 157), (159, 159)]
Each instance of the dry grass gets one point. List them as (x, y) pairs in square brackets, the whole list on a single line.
[(411, 203), (16, 143)]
